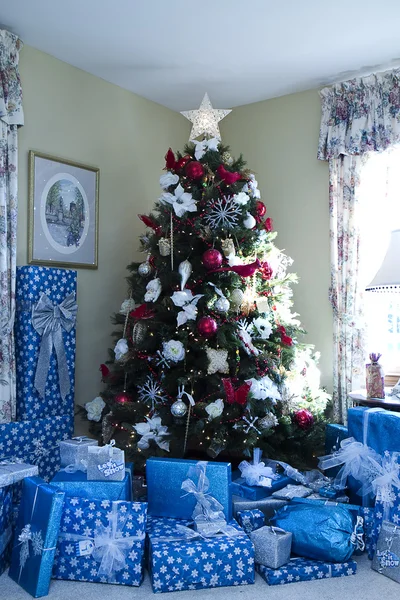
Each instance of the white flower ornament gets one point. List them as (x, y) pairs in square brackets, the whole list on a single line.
[(180, 200)]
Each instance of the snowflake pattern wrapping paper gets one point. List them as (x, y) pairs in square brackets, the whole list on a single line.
[(36, 536), (36, 442), (302, 569), (56, 284), (6, 514), (197, 564), (101, 541), (250, 520)]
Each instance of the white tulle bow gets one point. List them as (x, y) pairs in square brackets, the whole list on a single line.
[(256, 472)]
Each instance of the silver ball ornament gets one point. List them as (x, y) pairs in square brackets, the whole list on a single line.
[(222, 305), (179, 408), (144, 269), (236, 299)]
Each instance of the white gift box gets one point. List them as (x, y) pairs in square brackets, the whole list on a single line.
[(75, 450), (105, 463)]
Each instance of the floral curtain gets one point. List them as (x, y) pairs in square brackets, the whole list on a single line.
[(359, 117), (11, 117)]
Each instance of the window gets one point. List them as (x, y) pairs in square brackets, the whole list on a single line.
[(380, 208)]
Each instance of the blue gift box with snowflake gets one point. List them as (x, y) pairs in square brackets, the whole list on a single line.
[(45, 341), (101, 541), (250, 520), (302, 569), (36, 442), (6, 514), (181, 559)]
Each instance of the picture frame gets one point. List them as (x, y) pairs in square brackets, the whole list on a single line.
[(63, 212)]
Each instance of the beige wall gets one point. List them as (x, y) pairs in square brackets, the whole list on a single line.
[(279, 138), (71, 114)]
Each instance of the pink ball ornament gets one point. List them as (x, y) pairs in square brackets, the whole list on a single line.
[(212, 259), (303, 419), (122, 398), (207, 327)]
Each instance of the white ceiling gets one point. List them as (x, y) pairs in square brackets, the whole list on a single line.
[(240, 51)]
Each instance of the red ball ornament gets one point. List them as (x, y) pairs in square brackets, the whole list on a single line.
[(182, 162), (261, 209), (122, 398), (207, 327), (303, 419), (194, 170), (212, 259)]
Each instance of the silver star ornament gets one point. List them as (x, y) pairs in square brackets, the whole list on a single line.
[(205, 120)]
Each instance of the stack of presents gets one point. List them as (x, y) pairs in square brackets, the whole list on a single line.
[(69, 509)]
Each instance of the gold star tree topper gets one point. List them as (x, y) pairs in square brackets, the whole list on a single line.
[(205, 120)]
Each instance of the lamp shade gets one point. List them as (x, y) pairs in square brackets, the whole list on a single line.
[(387, 279)]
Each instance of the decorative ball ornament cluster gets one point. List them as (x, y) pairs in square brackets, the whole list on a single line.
[(207, 327), (303, 419), (178, 409), (212, 259)]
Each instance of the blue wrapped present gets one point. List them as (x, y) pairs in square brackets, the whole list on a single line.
[(101, 541), (45, 315), (36, 442), (179, 560), (371, 536), (164, 480), (302, 569), (334, 434), (77, 484), (376, 427), (6, 517), (321, 531), (36, 536), (240, 488), (250, 520)]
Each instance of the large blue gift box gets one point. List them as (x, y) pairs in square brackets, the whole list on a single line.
[(376, 427), (177, 563), (45, 296), (164, 480), (302, 569), (76, 484), (334, 434), (255, 492), (36, 536), (36, 442), (101, 541), (6, 511)]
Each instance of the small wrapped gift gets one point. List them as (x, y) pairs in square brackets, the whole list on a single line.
[(272, 546), (74, 452), (292, 491), (268, 506), (6, 518), (105, 463), (182, 559), (101, 541), (302, 569), (77, 484), (375, 377), (255, 480), (387, 557), (12, 471), (250, 520), (164, 480), (36, 536)]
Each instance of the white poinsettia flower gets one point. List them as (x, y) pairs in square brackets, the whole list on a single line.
[(252, 187), (168, 179), (241, 198), (94, 409), (121, 348), (152, 430), (188, 302), (180, 200), (215, 409), (173, 350), (263, 327), (263, 389), (202, 147), (153, 290)]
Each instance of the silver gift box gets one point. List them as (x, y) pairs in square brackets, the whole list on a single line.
[(75, 450), (105, 464), (387, 556), (272, 546), (11, 472)]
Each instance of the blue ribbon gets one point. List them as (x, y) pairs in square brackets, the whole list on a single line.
[(49, 320)]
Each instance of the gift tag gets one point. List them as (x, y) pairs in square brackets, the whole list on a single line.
[(84, 548), (110, 468)]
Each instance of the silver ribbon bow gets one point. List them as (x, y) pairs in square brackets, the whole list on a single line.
[(78, 465), (357, 536), (256, 472), (26, 536), (208, 512), (49, 320)]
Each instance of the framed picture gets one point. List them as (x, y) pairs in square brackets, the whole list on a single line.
[(63, 212)]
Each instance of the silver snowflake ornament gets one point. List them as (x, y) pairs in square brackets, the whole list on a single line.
[(151, 391), (223, 214)]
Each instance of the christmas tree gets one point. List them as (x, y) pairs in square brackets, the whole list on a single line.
[(207, 359)]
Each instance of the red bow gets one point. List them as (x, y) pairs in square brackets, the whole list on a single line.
[(238, 396), (150, 223), (142, 312)]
